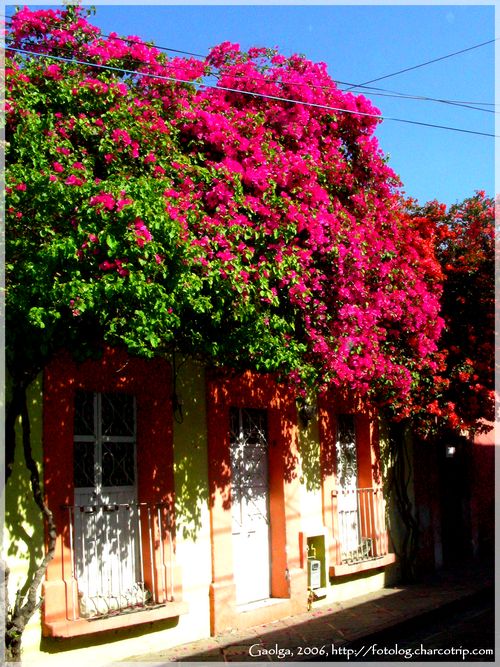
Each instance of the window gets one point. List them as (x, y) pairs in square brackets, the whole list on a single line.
[(113, 508), (106, 518), (353, 501), (104, 440), (353, 545)]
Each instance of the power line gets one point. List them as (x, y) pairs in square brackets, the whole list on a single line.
[(423, 97), (199, 55), (430, 99), (130, 40), (244, 92), (428, 62), (382, 93), (155, 46)]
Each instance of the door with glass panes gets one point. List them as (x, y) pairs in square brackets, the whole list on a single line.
[(347, 485), (106, 545), (250, 504)]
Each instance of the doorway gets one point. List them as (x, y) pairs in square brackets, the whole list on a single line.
[(250, 504)]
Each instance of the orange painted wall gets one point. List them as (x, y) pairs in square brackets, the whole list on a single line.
[(149, 381)]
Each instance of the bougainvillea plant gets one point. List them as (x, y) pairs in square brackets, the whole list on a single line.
[(246, 230), (462, 397)]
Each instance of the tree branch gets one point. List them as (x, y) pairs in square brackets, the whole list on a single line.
[(38, 496)]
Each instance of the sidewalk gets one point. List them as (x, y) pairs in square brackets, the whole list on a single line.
[(311, 635)]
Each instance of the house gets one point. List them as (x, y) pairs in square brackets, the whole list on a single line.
[(189, 501), (454, 498)]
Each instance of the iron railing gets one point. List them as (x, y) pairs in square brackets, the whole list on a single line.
[(358, 523), (122, 557)]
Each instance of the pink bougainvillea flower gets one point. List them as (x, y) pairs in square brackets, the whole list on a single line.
[(73, 180), (142, 233)]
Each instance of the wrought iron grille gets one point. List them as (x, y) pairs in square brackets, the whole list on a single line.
[(360, 524), (249, 465), (104, 440), (122, 557)]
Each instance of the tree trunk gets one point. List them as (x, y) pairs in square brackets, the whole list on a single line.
[(13, 411), (26, 605), (398, 489)]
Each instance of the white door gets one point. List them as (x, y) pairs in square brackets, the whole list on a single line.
[(250, 504), (347, 485), (107, 566)]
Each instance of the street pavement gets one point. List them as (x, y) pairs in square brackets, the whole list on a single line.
[(463, 630), (360, 629)]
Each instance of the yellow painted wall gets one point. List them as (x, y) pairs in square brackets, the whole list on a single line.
[(350, 587), (310, 471), (192, 491)]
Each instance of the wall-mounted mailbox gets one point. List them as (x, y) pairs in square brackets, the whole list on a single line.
[(313, 573), (315, 552)]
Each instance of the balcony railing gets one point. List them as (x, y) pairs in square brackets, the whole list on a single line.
[(358, 523), (122, 558)]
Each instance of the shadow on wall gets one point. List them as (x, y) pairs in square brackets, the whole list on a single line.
[(310, 455), (22, 515), (397, 479), (190, 451)]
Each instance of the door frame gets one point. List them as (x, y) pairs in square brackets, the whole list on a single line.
[(288, 578)]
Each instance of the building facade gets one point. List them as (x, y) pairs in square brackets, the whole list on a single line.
[(190, 501)]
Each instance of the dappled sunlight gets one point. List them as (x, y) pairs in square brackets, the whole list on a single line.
[(190, 452), (23, 521), (309, 452)]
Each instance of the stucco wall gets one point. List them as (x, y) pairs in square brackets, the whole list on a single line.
[(193, 546), (483, 492), (191, 489), (310, 472)]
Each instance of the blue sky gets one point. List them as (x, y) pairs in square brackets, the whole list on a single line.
[(360, 43)]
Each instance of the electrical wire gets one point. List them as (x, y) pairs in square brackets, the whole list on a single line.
[(422, 98), (382, 93), (245, 92), (155, 46), (428, 62), (370, 89)]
